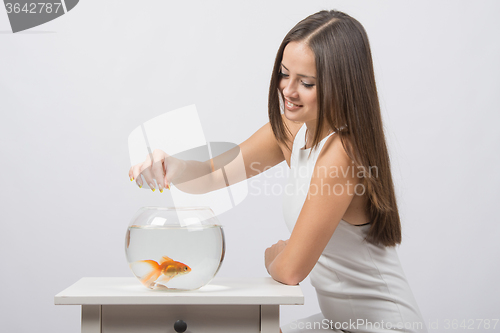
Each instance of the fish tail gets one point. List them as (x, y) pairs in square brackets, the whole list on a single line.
[(155, 272)]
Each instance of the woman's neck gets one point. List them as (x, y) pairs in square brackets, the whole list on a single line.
[(311, 128)]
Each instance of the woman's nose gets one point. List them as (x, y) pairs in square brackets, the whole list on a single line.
[(290, 90)]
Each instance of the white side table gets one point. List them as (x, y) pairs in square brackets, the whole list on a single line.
[(122, 304)]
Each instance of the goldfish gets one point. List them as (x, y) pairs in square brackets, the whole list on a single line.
[(162, 272)]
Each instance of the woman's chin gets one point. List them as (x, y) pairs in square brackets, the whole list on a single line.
[(292, 116)]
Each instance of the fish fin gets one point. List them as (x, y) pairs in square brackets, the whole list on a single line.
[(165, 259), (155, 272), (164, 280)]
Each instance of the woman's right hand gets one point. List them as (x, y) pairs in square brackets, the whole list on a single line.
[(160, 167)]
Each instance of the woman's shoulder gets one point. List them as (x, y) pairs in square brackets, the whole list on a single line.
[(334, 153)]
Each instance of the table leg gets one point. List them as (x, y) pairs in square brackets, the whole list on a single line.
[(91, 318), (269, 318)]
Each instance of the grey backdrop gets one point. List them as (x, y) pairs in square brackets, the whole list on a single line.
[(73, 89)]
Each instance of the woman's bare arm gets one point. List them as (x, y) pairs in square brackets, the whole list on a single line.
[(327, 201), (255, 155), (258, 153)]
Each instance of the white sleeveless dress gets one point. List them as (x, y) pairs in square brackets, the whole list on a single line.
[(361, 287)]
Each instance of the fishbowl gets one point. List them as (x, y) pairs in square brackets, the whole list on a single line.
[(174, 248)]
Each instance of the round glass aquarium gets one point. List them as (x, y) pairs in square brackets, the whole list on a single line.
[(174, 248)]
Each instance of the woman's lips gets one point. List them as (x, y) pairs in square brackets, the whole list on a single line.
[(292, 106)]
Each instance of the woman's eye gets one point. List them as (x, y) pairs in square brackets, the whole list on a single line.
[(307, 85)]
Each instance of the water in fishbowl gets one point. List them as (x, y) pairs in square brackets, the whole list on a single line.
[(173, 257)]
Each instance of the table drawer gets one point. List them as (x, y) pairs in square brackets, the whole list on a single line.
[(199, 318)]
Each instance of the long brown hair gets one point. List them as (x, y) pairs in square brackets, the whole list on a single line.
[(348, 102)]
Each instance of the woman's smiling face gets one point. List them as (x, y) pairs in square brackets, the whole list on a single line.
[(298, 83)]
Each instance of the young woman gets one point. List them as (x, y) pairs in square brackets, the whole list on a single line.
[(325, 122)]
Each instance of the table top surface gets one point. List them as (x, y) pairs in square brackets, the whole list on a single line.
[(221, 290)]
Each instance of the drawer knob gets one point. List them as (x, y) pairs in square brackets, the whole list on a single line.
[(180, 326)]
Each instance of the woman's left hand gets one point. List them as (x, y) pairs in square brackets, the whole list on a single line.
[(273, 251)]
